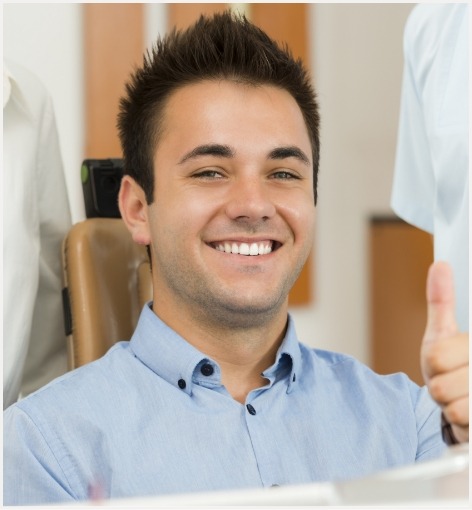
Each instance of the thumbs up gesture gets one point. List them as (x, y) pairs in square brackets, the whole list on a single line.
[(445, 352)]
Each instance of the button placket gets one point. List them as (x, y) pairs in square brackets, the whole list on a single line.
[(257, 418)]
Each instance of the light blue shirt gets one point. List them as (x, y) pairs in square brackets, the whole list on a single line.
[(151, 417)]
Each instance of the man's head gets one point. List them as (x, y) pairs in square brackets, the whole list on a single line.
[(224, 47), (219, 157)]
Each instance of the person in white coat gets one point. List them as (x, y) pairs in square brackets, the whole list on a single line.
[(36, 217), (431, 179)]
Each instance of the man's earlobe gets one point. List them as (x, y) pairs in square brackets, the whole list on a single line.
[(134, 210)]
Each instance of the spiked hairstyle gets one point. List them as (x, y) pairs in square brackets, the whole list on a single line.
[(224, 46)]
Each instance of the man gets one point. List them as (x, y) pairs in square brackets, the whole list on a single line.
[(431, 182), (36, 219), (220, 136)]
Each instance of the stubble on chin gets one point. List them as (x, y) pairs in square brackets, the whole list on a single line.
[(226, 308)]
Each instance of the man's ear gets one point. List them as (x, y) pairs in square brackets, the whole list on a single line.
[(134, 210)]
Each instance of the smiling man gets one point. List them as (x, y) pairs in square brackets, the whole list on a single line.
[(214, 391), (231, 221)]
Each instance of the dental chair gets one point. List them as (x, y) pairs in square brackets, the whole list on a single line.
[(107, 281)]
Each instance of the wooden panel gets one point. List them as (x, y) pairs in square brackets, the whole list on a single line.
[(183, 15), (302, 292), (400, 258), (113, 43), (286, 23)]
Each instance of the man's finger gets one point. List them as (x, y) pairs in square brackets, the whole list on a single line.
[(457, 412), (445, 354), (441, 321), (451, 386)]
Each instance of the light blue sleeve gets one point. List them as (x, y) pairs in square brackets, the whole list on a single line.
[(32, 474), (428, 420)]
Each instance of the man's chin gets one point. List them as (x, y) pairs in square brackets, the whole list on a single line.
[(244, 313)]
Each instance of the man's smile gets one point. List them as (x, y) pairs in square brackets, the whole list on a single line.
[(246, 248)]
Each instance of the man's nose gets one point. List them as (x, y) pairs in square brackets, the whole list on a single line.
[(250, 199)]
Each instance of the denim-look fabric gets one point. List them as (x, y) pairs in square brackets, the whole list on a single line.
[(151, 417)]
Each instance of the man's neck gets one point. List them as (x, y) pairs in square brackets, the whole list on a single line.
[(243, 356)]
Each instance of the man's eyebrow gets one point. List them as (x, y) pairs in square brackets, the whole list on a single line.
[(212, 149), (289, 152)]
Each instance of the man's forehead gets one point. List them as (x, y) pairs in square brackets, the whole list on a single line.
[(229, 103), (207, 90)]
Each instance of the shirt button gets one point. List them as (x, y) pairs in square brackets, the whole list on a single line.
[(251, 409), (182, 384), (207, 369)]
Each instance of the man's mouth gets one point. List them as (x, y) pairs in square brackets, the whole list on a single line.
[(250, 249)]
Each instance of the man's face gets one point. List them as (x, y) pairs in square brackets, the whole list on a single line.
[(232, 220)]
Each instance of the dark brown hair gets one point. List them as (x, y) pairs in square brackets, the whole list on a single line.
[(224, 46)]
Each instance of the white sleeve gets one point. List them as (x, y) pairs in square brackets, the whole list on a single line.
[(413, 184), (36, 219), (47, 354)]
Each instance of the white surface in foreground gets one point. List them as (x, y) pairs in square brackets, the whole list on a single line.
[(440, 483)]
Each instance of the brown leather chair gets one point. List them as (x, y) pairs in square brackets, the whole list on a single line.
[(107, 280)]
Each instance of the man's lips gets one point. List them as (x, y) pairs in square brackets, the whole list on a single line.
[(250, 248)]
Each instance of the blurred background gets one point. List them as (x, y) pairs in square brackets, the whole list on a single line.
[(362, 291)]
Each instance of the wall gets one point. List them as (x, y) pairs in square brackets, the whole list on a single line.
[(357, 64)]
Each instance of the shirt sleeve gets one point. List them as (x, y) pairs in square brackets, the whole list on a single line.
[(413, 184), (428, 420), (31, 473)]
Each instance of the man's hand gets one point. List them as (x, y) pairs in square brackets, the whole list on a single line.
[(445, 352)]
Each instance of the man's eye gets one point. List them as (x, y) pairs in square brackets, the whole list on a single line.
[(284, 175), (208, 174)]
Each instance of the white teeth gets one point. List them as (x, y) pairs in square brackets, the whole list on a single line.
[(244, 249), (254, 249), (262, 248)]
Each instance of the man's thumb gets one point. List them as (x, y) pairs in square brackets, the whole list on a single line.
[(441, 321)]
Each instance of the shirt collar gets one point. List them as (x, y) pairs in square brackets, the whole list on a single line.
[(12, 90), (167, 354), (288, 358)]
